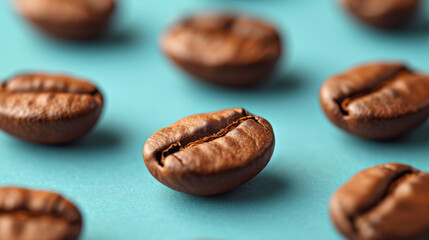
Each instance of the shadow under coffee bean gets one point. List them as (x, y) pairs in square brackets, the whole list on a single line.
[(377, 101), (208, 154), (38, 215), (49, 109), (388, 201)]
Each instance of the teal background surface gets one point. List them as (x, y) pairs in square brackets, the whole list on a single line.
[(104, 172)]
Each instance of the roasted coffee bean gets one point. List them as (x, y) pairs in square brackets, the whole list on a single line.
[(377, 101), (48, 109), (224, 49), (208, 154), (385, 202), (68, 19), (383, 13), (37, 215)]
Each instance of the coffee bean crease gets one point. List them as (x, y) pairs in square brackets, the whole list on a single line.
[(176, 147), (380, 83), (377, 100), (48, 108), (388, 191), (385, 202)]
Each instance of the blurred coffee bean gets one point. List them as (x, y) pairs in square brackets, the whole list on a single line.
[(48, 109), (75, 20), (229, 50), (27, 214), (383, 13)]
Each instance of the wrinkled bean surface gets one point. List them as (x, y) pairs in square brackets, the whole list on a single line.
[(385, 202), (210, 153)]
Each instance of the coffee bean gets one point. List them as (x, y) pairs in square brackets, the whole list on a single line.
[(207, 154), (48, 109), (224, 49), (37, 215), (75, 20), (377, 101), (383, 14), (385, 202)]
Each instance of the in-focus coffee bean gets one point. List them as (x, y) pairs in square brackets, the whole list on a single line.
[(49, 109), (75, 20), (207, 154), (385, 13), (385, 202), (377, 101), (224, 49), (37, 215)]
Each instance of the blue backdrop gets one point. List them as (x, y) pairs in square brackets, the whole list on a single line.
[(104, 172)]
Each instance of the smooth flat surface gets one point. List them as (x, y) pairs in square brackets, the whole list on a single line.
[(104, 172)]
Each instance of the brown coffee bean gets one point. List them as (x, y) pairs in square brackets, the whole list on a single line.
[(75, 20), (207, 154), (224, 49), (37, 215), (377, 101), (383, 13), (385, 202), (48, 109)]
